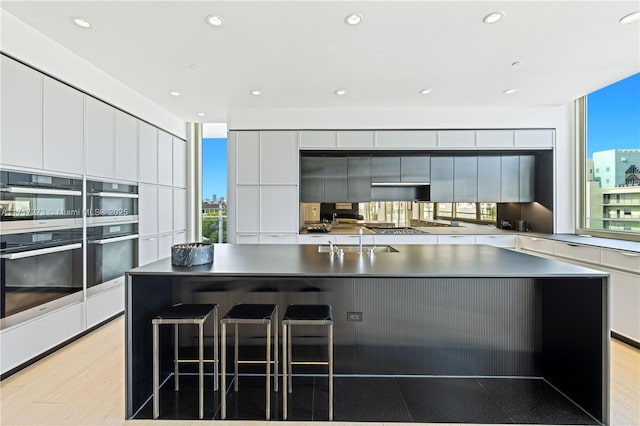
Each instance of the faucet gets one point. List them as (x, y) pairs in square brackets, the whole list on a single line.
[(360, 232), (330, 248)]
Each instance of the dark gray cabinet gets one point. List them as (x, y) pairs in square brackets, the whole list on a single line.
[(527, 178), (510, 179), (489, 178), (312, 179), (385, 169), (359, 179), (441, 179), (465, 179), (415, 169), (335, 179)]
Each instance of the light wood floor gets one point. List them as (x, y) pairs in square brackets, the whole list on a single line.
[(83, 384)]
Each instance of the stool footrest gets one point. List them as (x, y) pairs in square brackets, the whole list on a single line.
[(309, 362)]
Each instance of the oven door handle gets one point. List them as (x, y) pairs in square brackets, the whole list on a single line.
[(39, 252), (40, 191), (114, 240), (115, 194)]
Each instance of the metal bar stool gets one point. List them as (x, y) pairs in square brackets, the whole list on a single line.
[(247, 313), (305, 315), (185, 314)]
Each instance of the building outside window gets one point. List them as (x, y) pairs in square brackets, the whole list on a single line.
[(611, 147), (214, 189)]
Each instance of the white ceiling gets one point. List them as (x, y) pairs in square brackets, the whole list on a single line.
[(297, 53)]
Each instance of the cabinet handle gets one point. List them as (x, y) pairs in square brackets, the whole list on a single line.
[(534, 239), (573, 245), (626, 253)]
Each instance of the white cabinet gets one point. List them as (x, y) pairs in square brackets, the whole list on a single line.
[(354, 240), (406, 239), (105, 304), (148, 209), (279, 158), (21, 130), (456, 239), (495, 138), (406, 139), (126, 147), (179, 163), (148, 153), (318, 139), (535, 244), (534, 138), (247, 145), (620, 259), (279, 209), (164, 245), (165, 154), (248, 239), (356, 138), (580, 253), (165, 210), (625, 303), (319, 239), (180, 209), (505, 241), (457, 138), (147, 250), (180, 237), (248, 209), (99, 138), (278, 239), (62, 128)]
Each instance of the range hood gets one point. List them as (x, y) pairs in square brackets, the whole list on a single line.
[(400, 191)]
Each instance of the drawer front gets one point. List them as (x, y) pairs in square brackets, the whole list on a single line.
[(278, 239), (629, 261), (456, 239), (406, 239), (577, 252), (539, 245), (507, 241), (354, 239), (316, 239), (247, 239)]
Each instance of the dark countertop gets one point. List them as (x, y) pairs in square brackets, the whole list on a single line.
[(465, 261), (595, 241)]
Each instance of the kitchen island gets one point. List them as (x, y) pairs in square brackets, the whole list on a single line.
[(423, 311)]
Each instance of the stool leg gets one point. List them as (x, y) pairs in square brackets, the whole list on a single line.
[(201, 369), (331, 372), (156, 373), (268, 385), (216, 359), (275, 351), (223, 371), (289, 365), (235, 359), (176, 373), (284, 372)]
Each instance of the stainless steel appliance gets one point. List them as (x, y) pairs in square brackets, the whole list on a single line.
[(112, 250), (109, 202), (39, 270), (521, 225), (36, 201)]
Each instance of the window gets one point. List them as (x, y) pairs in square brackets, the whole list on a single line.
[(611, 142), (214, 189)]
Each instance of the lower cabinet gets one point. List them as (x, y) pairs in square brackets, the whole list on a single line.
[(147, 250), (247, 238), (504, 241), (406, 239), (316, 239), (354, 239), (164, 245), (105, 304), (456, 239), (278, 239), (625, 303)]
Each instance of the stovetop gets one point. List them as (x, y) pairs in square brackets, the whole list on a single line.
[(398, 231)]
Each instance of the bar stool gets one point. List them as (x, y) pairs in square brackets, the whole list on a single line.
[(305, 315), (247, 313), (184, 314)]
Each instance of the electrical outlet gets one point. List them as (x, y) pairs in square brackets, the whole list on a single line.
[(354, 316)]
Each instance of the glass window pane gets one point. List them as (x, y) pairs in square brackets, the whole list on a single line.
[(214, 189)]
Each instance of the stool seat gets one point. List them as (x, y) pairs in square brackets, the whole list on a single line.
[(245, 312), (308, 313), (186, 311)]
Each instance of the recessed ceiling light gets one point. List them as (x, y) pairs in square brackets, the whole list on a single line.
[(256, 92), (340, 92), (632, 17), (201, 114), (82, 22), (353, 19), (509, 91), (214, 20), (174, 93), (425, 91), (493, 17)]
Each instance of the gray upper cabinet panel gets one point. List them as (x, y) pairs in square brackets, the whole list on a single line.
[(495, 138), (356, 138), (442, 179), (100, 138), (312, 179), (527, 178), (416, 169), (165, 158), (359, 179), (465, 180), (279, 158), (535, 138), (489, 178), (318, 139), (510, 179), (385, 169), (335, 179), (406, 139), (457, 138), (126, 147), (148, 149), (247, 158)]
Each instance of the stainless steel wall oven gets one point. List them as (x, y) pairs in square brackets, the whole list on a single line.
[(111, 251), (109, 202)]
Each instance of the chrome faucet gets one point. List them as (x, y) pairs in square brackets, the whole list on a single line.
[(330, 248), (360, 232)]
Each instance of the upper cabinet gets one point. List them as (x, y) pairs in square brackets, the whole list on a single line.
[(407, 139), (534, 138), (489, 178), (311, 179), (179, 163), (21, 89), (148, 159), (495, 138), (99, 138), (126, 147), (335, 179), (517, 178), (457, 139), (415, 169), (165, 162), (327, 139), (356, 138), (385, 169), (465, 180), (62, 120), (279, 158), (358, 179), (442, 174), (247, 145)]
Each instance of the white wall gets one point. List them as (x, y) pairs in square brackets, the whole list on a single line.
[(560, 118), (30, 46)]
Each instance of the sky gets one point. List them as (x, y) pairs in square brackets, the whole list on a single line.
[(613, 116), (214, 168)]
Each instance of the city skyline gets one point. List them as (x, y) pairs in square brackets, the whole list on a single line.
[(214, 167)]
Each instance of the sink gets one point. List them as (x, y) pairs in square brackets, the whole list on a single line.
[(354, 249)]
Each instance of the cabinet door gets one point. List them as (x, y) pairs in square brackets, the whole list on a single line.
[(180, 237), (403, 139), (456, 239), (247, 209), (279, 158), (441, 179), (63, 143), (385, 169), (279, 211), (100, 126), (506, 241), (147, 250), (165, 210), (335, 179), (165, 163), (527, 178), (148, 153), (126, 147), (457, 138), (21, 100), (495, 138), (534, 138), (415, 169), (356, 138), (465, 179), (148, 209), (179, 163), (179, 209), (489, 180), (247, 158), (164, 245), (625, 303), (312, 179), (510, 178), (359, 179), (318, 139)]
